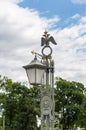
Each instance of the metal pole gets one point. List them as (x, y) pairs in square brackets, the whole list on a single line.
[(47, 73), (53, 109)]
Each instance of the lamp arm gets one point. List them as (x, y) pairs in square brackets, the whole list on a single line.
[(37, 54)]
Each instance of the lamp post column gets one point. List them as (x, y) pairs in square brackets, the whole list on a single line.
[(47, 95)]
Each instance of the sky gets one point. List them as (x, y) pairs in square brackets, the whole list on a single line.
[(22, 24)]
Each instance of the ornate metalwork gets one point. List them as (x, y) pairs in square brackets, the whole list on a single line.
[(45, 42), (47, 93), (46, 39)]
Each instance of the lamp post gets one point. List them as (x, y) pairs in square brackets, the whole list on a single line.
[(42, 72)]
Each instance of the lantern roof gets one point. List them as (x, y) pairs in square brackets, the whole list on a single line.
[(35, 63)]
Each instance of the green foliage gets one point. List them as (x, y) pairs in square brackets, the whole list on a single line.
[(69, 98), (82, 115), (20, 105)]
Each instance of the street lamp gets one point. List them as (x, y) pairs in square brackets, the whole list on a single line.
[(35, 71), (43, 71)]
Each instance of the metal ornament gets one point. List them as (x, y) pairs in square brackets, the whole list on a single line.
[(47, 93), (45, 41), (47, 51)]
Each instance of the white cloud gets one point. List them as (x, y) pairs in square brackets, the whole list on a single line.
[(76, 16), (20, 33), (13, 1), (71, 56), (79, 1)]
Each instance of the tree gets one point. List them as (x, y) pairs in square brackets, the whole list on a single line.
[(82, 117), (69, 98), (20, 105)]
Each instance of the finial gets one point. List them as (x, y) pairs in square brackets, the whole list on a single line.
[(46, 34), (33, 52)]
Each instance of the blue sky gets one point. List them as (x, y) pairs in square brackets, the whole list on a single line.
[(64, 9), (22, 23)]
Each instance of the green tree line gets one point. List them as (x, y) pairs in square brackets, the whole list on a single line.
[(20, 105)]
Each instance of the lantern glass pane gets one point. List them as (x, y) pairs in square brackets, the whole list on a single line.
[(35, 75), (31, 75), (39, 75)]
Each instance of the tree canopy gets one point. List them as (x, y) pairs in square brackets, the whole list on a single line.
[(21, 105), (70, 98)]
